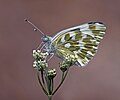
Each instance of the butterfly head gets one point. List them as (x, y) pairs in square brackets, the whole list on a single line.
[(48, 47), (46, 39)]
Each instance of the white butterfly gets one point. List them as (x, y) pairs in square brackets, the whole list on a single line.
[(81, 42)]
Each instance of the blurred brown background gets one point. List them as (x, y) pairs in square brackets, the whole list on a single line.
[(99, 80)]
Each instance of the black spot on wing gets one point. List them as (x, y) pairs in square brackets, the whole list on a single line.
[(95, 22)]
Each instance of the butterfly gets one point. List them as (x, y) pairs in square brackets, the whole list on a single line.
[(81, 42)]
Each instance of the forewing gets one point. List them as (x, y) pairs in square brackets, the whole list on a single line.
[(81, 41)]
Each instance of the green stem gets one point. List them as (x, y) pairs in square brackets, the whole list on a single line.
[(41, 83), (47, 80), (49, 97), (42, 76), (52, 83), (49, 87), (63, 78)]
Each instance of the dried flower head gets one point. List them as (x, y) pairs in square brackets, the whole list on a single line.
[(40, 60), (68, 61), (39, 55), (51, 73)]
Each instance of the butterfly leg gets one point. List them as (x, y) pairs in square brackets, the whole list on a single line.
[(52, 54), (41, 45)]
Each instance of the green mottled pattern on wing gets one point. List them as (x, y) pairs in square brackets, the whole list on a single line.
[(82, 42)]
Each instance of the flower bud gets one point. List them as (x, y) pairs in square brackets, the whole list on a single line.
[(40, 65), (39, 56), (68, 61), (51, 73)]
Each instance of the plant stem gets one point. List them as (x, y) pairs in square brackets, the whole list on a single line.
[(49, 97), (41, 83), (52, 83), (47, 81), (49, 87), (42, 77), (63, 78)]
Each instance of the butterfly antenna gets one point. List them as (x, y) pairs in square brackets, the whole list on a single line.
[(35, 27)]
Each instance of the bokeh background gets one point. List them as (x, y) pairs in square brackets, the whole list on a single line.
[(99, 80)]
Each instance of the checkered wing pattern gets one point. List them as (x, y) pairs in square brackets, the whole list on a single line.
[(81, 41)]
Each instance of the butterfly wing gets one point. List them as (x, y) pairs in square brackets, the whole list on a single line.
[(81, 41)]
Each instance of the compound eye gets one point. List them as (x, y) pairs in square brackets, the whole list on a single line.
[(45, 39)]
